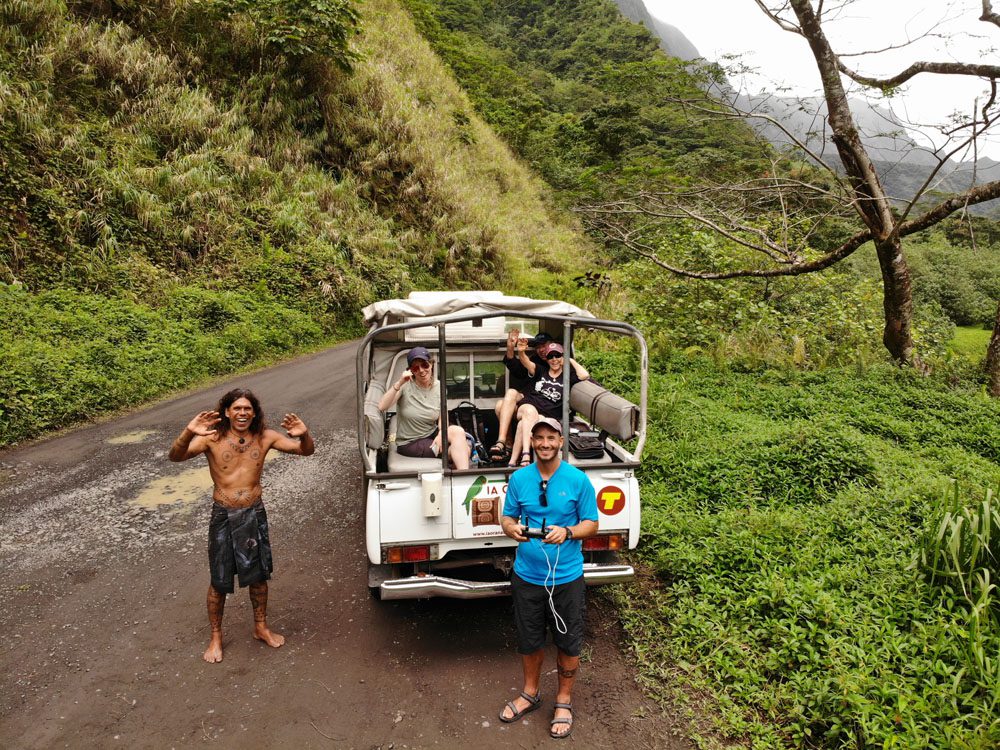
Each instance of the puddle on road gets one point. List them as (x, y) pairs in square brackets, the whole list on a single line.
[(185, 488), (130, 438)]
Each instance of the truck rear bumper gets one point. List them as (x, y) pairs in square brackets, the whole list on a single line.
[(418, 587)]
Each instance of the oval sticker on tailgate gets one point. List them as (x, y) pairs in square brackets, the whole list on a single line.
[(610, 500)]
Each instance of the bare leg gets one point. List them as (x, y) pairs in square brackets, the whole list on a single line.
[(531, 664), (505, 413), (458, 447), (216, 606), (258, 597), (567, 667), (522, 443)]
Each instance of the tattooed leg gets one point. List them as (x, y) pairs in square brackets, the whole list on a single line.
[(216, 606), (258, 597), (566, 667)]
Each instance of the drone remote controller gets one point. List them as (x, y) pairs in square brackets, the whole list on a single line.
[(536, 533)]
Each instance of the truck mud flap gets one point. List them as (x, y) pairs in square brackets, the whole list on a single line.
[(419, 587)]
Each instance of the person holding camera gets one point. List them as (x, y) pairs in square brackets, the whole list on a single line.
[(550, 507)]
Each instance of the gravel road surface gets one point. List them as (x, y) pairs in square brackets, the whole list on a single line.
[(103, 547)]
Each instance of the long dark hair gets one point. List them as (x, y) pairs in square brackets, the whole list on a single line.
[(256, 424)]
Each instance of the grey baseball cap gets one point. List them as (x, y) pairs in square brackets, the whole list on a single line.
[(549, 422)]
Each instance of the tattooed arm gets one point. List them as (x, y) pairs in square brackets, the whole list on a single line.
[(193, 439)]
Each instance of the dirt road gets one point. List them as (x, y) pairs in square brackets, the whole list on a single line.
[(102, 544)]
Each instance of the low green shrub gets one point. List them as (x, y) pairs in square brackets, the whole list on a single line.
[(782, 513), (67, 355)]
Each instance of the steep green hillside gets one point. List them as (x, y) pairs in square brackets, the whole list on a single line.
[(184, 193), (584, 95)]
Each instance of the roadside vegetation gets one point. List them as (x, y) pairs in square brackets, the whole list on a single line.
[(819, 553)]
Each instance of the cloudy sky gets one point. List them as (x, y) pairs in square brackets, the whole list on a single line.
[(721, 27)]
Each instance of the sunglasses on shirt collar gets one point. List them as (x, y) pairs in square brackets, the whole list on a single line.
[(543, 497)]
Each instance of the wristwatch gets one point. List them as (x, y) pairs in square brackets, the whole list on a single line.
[(569, 533)]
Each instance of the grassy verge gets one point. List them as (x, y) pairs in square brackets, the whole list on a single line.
[(67, 356), (970, 342), (794, 526)]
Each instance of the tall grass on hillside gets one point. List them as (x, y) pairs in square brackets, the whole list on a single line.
[(782, 513), (150, 151)]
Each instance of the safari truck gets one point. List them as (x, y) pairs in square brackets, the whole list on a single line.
[(434, 531)]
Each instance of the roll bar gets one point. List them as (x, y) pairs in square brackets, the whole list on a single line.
[(440, 321)]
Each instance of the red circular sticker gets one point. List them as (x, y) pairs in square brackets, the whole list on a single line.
[(610, 500)]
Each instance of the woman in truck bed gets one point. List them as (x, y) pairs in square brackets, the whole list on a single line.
[(418, 413), (544, 392)]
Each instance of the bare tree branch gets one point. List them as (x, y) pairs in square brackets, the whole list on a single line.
[(988, 15), (773, 15), (732, 112), (971, 197), (940, 68)]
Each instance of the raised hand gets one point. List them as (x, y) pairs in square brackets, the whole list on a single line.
[(204, 423), (294, 426), (512, 336)]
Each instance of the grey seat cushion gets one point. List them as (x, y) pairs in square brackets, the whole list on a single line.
[(408, 463)]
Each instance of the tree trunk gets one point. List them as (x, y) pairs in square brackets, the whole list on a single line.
[(993, 360), (897, 301), (871, 201)]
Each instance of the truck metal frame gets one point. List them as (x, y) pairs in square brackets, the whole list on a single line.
[(434, 531)]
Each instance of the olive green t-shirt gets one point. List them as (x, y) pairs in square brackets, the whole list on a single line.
[(418, 411)]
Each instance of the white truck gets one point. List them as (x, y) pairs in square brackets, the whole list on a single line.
[(434, 531)]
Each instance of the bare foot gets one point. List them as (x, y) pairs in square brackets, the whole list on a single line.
[(262, 633), (213, 654)]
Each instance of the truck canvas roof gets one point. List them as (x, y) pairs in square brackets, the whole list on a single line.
[(420, 305)]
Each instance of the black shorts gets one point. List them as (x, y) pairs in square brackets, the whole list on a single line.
[(532, 612)]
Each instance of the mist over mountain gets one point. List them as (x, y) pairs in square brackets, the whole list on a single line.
[(672, 39), (903, 158)]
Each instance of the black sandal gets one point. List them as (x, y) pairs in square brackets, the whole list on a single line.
[(500, 452), (534, 701)]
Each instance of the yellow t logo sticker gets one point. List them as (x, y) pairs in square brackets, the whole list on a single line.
[(610, 498)]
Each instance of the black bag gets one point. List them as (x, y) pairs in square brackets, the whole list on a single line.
[(584, 441), (466, 416)]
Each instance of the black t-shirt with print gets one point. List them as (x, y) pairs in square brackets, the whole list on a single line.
[(545, 392)]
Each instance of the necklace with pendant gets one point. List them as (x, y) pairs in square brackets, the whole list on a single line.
[(243, 447)]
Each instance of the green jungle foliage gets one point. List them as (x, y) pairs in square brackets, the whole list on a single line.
[(282, 163), (812, 576), (584, 95), (588, 100)]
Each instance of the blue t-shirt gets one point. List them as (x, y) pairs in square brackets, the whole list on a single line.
[(571, 499)]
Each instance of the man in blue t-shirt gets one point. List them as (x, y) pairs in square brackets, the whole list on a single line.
[(547, 584)]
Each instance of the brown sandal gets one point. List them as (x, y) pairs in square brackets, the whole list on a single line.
[(534, 701), (565, 720)]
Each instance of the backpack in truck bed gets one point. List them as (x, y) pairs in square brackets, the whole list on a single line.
[(469, 417)]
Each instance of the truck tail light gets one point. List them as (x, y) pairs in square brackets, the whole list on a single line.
[(604, 542), (418, 553)]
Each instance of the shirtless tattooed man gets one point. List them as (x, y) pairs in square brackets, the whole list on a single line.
[(235, 441)]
